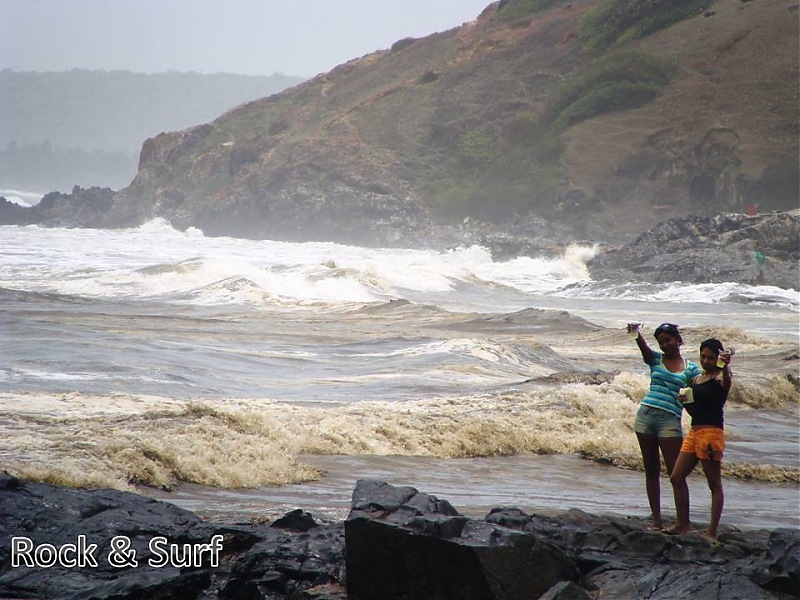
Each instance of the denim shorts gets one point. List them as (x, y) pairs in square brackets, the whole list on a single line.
[(657, 422)]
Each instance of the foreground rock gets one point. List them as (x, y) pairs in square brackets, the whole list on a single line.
[(294, 555), (409, 545), (400, 544), (403, 544)]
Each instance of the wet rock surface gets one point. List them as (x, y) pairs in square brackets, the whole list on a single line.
[(710, 249), (294, 554), (396, 543), (402, 544)]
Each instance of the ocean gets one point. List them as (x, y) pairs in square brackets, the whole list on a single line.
[(241, 378)]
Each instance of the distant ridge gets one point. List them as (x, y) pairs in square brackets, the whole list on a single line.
[(86, 127)]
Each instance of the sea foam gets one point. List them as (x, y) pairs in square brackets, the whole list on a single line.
[(252, 443)]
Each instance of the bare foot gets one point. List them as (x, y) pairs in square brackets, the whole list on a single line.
[(656, 526), (712, 537), (678, 529)]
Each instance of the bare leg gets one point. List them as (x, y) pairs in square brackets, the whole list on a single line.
[(683, 467), (670, 448), (713, 471), (648, 444)]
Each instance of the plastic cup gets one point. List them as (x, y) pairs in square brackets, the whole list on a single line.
[(633, 329), (720, 362)]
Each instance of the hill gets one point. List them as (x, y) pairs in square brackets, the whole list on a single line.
[(86, 127), (602, 116)]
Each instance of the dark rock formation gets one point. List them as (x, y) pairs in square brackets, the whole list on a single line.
[(403, 544), (710, 249), (12, 214), (400, 544), (296, 554), (80, 208)]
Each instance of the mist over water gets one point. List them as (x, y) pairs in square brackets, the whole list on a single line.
[(211, 366)]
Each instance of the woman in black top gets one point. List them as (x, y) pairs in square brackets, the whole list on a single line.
[(706, 440)]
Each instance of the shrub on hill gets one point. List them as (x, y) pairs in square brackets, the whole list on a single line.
[(619, 81), (515, 9), (613, 22)]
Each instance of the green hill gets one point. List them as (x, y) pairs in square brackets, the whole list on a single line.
[(606, 116)]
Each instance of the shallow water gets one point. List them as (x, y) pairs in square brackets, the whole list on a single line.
[(535, 484)]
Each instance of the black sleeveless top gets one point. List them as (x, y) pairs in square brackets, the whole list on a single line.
[(709, 398)]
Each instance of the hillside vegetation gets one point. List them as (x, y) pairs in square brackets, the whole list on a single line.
[(606, 116)]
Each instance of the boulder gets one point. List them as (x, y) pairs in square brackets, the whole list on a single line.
[(405, 544), (779, 570)]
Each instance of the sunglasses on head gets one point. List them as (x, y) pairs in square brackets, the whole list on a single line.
[(667, 328)]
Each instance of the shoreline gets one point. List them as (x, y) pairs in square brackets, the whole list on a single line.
[(429, 547), (534, 483)]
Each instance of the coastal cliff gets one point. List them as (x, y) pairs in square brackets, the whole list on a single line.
[(602, 126)]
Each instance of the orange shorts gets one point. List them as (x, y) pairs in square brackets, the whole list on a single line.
[(707, 443)]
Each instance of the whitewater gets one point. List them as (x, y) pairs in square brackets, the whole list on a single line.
[(240, 378)]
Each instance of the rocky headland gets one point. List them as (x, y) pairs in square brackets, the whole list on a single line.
[(396, 543), (533, 126)]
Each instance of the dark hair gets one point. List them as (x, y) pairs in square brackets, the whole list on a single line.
[(712, 344), (670, 329)]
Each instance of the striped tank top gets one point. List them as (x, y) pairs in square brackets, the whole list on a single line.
[(664, 384)]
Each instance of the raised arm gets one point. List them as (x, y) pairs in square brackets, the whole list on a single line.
[(647, 353), (727, 375)]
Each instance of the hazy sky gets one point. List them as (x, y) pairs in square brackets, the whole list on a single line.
[(257, 37)]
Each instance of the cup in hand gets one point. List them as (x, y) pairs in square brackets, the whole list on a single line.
[(729, 353)]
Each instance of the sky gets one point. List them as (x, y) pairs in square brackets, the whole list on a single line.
[(251, 37)]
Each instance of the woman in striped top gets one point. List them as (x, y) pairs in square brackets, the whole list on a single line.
[(658, 422)]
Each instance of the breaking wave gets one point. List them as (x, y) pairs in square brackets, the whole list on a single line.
[(123, 441)]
